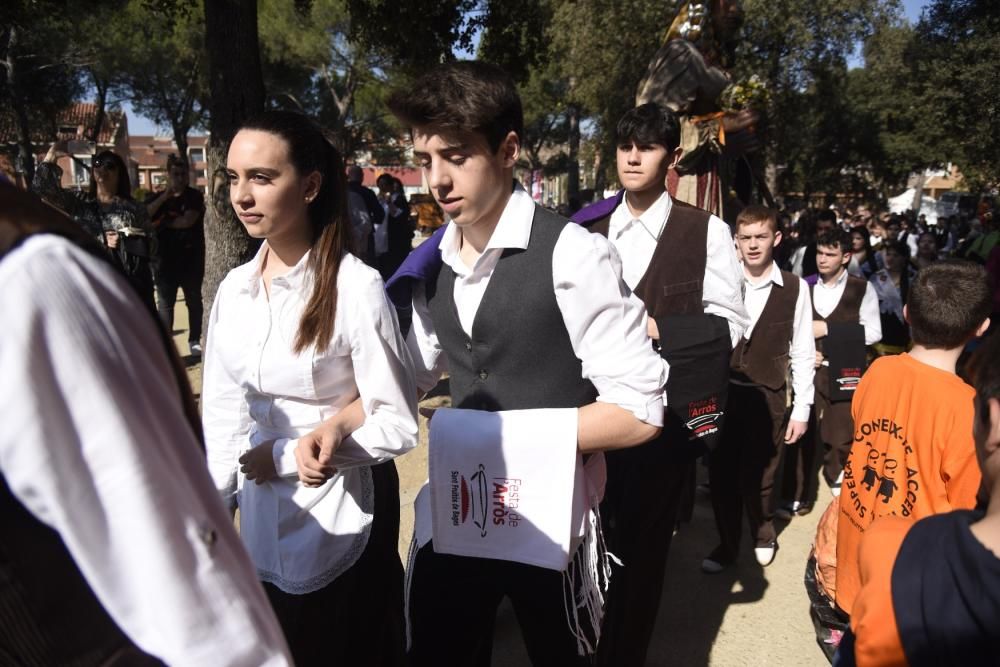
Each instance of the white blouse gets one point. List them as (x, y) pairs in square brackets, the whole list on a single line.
[(257, 389)]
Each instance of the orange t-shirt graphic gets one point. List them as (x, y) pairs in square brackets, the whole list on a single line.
[(912, 455)]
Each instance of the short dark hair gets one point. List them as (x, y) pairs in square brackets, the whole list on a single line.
[(898, 247), (828, 215), (758, 213), (836, 238), (462, 96), (948, 301), (650, 123), (174, 161)]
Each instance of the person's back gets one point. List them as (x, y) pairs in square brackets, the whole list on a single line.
[(913, 454), (929, 589)]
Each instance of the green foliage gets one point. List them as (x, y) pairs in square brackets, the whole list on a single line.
[(956, 79)]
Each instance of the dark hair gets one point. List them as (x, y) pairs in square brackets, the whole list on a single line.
[(758, 213), (650, 123), (899, 247), (827, 215), (869, 259), (948, 301), (985, 375), (124, 189), (173, 160), (462, 96), (311, 150), (836, 238)]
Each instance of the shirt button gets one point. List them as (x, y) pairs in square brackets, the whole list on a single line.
[(483, 375)]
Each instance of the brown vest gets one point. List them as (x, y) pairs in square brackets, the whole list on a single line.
[(848, 308), (763, 359), (672, 284)]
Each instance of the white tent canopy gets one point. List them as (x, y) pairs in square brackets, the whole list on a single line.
[(904, 202)]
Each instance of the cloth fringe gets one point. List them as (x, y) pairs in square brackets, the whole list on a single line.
[(411, 558), (585, 583)]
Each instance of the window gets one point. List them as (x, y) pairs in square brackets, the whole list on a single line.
[(67, 129), (81, 173), (196, 154), (199, 174), (159, 178), (142, 178)]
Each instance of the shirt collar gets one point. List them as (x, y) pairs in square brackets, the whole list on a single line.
[(512, 231), (773, 277), (295, 277), (840, 281), (654, 218)]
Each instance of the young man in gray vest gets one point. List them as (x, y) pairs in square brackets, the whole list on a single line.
[(845, 321), (681, 262), (758, 424), (525, 310)]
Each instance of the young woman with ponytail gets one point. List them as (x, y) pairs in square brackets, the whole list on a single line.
[(302, 335)]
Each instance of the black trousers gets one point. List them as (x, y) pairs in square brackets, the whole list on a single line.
[(189, 280), (453, 604), (646, 484), (640, 507), (742, 469), (358, 618)]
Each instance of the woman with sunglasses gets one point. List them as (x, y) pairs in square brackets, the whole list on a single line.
[(107, 211)]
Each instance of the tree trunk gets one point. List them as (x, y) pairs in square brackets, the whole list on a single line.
[(236, 92), (181, 140), (573, 177), (25, 150), (100, 102)]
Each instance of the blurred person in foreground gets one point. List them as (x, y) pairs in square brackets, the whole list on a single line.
[(929, 590), (116, 549)]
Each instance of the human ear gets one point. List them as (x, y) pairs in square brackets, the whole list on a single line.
[(906, 315), (777, 239), (313, 183), (982, 327), (510, 149)]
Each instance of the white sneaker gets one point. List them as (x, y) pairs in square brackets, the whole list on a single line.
[(835, 487), (765, 555), (195, 349)]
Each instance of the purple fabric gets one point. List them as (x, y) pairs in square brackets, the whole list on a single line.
[(811, 280), (421, 265), (598, 210)]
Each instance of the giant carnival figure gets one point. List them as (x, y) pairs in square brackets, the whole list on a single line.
[(689, 74)]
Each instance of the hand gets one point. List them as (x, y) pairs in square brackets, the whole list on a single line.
[(820, 329), (651, 329), (795, 431), (736, 121), (111, 236), (819, 359), (314, 452), (258, 463)]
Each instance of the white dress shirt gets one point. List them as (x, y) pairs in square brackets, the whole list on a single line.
[(606, 325), (256, 389), (635, 240), (802, 353), (96, 445), (826, 297)]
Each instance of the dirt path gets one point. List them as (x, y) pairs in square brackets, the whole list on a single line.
[(745, 616)]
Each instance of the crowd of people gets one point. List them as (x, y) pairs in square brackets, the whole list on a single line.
[(591, 364)]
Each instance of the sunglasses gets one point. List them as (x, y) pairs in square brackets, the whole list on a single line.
[(105, 163)]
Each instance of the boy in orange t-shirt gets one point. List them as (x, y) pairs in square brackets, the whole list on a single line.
[(913, 454)]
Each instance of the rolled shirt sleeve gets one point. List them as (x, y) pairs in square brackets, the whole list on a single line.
[(722, 289), (802, 356), (607, 325)]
